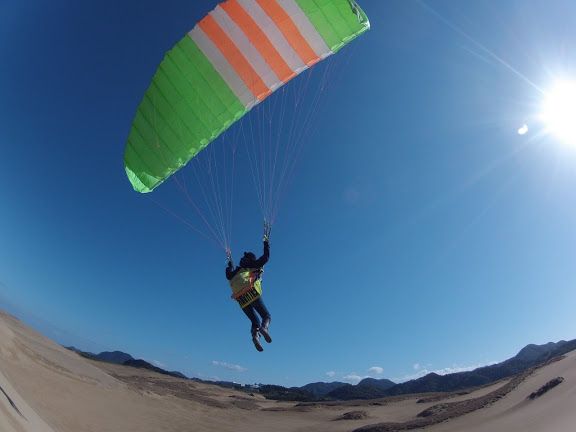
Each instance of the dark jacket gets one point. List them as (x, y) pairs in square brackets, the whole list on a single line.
[(249, 263)]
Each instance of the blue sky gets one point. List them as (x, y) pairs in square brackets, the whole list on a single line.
[(426, 234)]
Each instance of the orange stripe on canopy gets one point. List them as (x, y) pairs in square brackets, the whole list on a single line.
[(235, 57), (258, 38), (290, 31)]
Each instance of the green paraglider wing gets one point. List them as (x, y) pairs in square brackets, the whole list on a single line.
[(233, 59)]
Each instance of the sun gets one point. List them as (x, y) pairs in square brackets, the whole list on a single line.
[(559, 111)]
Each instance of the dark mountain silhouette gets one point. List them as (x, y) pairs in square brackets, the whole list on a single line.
[(117, 357), (321, 389), (276, 392), (383, 384), (350, 391), (368, 388), (534, 352)]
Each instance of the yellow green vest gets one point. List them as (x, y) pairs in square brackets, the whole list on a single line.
[(246, 286)]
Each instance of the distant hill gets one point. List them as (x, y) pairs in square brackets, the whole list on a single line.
[(117, 357), (383, 384), (368, 388), (121, 358), (365, 391), (534, 352), (276, 392), (321, 389)]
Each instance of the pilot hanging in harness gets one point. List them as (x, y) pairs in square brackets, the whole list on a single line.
[(246, 283)]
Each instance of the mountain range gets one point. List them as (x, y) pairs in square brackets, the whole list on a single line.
[(121, 358), (529, 356), (371, 388)]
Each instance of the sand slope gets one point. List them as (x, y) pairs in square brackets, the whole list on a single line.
[(47, 388), (555, 411)]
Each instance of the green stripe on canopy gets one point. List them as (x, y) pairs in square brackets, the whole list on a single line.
[(337, 21), (187, 106)]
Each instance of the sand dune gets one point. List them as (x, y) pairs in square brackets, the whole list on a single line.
[(555, 411), (44, 387)]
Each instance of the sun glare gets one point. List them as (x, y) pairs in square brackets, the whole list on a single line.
[(559, 111)]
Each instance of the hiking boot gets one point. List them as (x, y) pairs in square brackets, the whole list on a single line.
[(264, 332), (256, 340)]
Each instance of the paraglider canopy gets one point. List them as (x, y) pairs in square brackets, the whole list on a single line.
[(231, 60)]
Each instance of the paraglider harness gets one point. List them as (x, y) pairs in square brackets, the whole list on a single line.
[(247, 286), (247, 282)]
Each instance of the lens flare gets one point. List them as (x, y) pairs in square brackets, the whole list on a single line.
[(523, 130), (559, 111)]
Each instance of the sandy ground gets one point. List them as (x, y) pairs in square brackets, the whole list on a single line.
[(46, 388), (555, 411)]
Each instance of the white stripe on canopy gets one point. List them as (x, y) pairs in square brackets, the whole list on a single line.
[(248, 50), (275, 36), (222, 66), (307, 29)]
